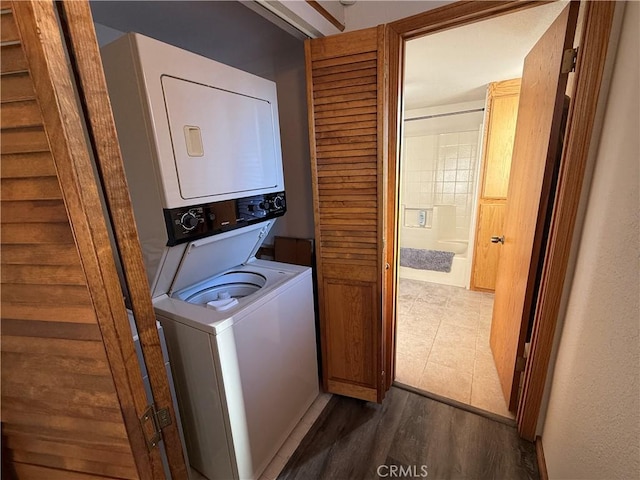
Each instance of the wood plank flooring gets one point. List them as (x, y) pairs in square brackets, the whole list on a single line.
[(412, 434)]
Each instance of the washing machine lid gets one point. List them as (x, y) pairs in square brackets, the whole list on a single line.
[(211, 256)]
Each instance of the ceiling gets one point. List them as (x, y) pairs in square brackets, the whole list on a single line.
[(456, 65)]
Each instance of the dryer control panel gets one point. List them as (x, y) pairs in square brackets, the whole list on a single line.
[(185, 224)]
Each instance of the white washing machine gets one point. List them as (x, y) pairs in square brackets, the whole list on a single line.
[(201, 148), (243, 351)]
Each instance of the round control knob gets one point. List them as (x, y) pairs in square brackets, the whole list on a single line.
[(189, 221), (278, 202)]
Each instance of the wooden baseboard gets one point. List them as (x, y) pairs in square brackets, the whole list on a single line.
[(542, 464)]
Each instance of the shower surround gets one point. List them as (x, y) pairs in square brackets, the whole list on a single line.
[(438, 190)]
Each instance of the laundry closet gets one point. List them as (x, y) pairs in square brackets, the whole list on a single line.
[(200, 143)]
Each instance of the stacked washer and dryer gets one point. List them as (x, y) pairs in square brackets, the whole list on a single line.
[(201, 147)]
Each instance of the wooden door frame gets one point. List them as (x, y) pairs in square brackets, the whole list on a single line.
[(594, 41)]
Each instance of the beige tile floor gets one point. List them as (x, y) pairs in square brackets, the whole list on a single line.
[(442, 344), (289, 446)]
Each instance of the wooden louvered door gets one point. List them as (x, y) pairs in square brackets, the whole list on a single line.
[(345, 82), (72, 391)]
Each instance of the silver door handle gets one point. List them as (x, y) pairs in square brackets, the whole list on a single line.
[(496, 239)]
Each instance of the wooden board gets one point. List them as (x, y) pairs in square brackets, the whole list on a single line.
[(297, 251)]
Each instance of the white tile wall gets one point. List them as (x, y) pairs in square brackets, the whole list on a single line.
[(441, 169), (418, 170)]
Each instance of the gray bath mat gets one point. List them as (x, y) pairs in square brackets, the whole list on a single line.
[(436, 260)]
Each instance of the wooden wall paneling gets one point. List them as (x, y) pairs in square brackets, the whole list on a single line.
[(92, 85), (69, 370), (347, 176)]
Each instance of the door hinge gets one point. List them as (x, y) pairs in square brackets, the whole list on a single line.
[(521, 362), (569, 60), (153, 421)]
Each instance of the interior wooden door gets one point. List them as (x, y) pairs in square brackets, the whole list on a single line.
[(535, 151), (345, 85)]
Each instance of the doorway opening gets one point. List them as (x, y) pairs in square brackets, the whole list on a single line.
[(444, 313)]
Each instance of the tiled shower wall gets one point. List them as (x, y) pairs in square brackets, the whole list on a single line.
[(441, 169), (418, 171), (455, 176)]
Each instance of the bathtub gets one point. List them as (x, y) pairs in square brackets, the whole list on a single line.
[(412, 235)]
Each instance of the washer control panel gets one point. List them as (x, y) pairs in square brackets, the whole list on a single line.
[(198, 221)]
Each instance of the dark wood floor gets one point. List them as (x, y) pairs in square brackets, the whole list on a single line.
[(408, 434)]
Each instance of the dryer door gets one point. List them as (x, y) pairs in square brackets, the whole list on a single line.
[(223, 142)]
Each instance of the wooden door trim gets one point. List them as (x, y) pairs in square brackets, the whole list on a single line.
[(45, 53), (588, 79), (393, 43), (456, 15), (316, 212), (383, 116), (85, 59)]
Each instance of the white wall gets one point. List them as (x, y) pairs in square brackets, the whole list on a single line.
[(591, 429), (369, 13), (232, 34)]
